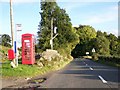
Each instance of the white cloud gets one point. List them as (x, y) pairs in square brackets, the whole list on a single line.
[(102, 18), (110, 15), (69, 6)]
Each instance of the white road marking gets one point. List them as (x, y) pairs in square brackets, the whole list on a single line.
[(104, 81), (91, 68)]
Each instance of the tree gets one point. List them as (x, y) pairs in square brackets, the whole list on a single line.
[(101, 44), (45, 24), (112, 37), (6, 40), (118, 49), (99, 33), (53, 15), (113, 43), (86, 34)]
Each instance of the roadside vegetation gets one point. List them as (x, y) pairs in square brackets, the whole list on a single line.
[(29, 70), (70, 41), (109, 60), (3, 53)]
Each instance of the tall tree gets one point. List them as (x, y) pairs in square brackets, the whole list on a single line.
[(52, 13)]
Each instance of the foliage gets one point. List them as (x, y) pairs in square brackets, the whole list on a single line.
[(110, 60), (104, 44), (101, 44), (53, 15), (31, 70), (99, 33), (75, 41), (113, 44), (95, 56), (86, 34), (3, 53), (118, 49), (5, 40)]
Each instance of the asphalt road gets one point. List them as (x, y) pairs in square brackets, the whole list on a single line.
[(83, 73)]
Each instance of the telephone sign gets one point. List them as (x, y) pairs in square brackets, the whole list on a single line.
[(28, 49)]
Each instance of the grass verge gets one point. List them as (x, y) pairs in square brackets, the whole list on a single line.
[(30, 70)]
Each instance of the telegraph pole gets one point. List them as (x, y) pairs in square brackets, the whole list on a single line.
[(12, 30), (51, 40), (11, 23)]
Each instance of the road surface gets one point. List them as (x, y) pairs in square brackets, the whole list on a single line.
[(83, 73)]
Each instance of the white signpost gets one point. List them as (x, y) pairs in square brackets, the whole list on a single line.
[(18, 28), (93, 50), (55, 30), (51, 40)]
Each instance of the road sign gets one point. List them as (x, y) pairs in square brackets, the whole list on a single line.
[(93, 50), (55, 30), (18, 27)]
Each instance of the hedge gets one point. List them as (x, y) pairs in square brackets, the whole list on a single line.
[(114, 59)]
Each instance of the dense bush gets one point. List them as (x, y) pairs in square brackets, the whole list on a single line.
[(95, 56), (114, 59)]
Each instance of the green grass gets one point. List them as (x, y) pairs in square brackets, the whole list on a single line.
[(26, 70), (20, 71), (29, 70)]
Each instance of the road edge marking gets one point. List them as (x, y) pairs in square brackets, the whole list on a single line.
[(103, 80)]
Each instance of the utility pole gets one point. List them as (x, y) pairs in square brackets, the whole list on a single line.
[(12, 30), (11, 23), (52, 29), (51, 40)]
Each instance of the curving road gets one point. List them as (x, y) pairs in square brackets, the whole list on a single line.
[(83, 73)]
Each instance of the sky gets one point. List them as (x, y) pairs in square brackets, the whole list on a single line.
[(100, 14)]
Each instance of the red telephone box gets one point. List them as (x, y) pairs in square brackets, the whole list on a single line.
[(28, 49)]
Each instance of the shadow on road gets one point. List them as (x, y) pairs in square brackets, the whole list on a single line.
[(79, 69)]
